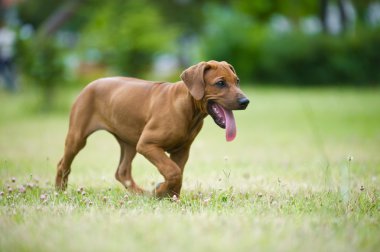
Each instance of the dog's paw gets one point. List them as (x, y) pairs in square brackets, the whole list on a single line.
[(158, 185)]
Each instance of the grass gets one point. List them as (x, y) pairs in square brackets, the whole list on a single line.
[(302, 175)]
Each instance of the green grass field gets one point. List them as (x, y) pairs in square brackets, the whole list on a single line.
[(303, 174)]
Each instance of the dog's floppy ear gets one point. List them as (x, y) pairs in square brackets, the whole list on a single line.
[(230, 66), (194, 79)]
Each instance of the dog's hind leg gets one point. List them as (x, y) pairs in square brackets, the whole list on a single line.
[(81, 126), (124, 171), (74, 143)]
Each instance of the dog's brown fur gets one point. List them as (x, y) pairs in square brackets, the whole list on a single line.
[(150, 118)]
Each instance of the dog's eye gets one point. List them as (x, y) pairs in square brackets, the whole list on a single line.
[(238, 82), (221, 84)]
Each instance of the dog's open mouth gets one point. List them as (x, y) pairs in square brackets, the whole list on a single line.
[(224, 118)]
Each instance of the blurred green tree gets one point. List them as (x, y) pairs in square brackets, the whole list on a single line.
[(262, 11), (40, 56), (128, 34), (41, 62)]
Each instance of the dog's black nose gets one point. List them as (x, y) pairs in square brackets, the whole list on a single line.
[(243, 102)]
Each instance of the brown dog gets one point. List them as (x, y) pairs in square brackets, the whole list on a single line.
[(154, 118)]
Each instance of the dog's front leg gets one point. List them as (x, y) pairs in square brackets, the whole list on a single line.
[(169, 169), (180, 157)]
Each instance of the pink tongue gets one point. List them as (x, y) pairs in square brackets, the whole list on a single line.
[(230, 125)]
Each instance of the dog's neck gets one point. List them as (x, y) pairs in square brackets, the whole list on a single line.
[(199, 107), (199, 113)]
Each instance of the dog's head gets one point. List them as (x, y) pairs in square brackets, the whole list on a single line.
[(216, 85)]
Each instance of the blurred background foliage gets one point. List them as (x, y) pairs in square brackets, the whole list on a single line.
[(309, 42)]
